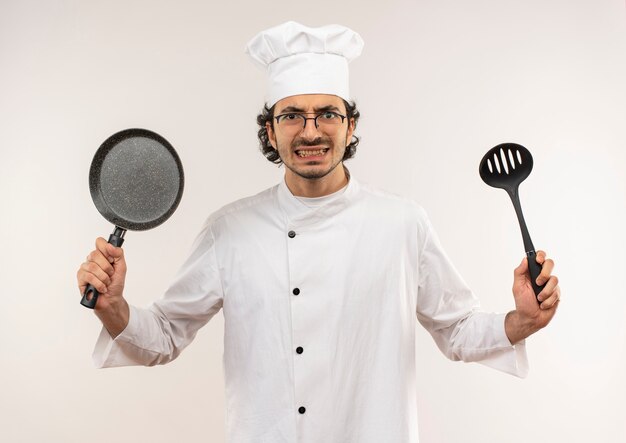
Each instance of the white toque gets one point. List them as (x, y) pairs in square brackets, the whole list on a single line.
[(303, 60)]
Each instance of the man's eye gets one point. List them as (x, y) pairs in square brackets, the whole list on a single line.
[(291, 116), (329, 115)]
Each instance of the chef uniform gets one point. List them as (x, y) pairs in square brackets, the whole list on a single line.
[(320, 296)]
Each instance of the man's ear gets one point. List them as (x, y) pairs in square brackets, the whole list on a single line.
[(270, 134), (350, 131)]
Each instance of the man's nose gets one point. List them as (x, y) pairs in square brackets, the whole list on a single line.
[(310, 130)]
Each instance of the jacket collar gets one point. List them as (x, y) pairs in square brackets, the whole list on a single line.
[(298, 215)]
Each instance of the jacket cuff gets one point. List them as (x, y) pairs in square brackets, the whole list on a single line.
[(106, 348), (511, 359)]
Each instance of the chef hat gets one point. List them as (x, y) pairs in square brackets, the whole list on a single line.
[(303, 60)]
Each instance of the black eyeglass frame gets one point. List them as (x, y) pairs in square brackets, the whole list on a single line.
[(304, 119)]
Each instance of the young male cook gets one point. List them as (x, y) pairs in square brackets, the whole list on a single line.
[(320, 278)]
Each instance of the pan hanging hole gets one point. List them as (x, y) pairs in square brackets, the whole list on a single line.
[(519, 157), (496, 162), (512, 160), (489, 166), (505, 166)]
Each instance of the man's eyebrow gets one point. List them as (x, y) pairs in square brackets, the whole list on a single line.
[(291, 109), (327, 108), (320, 109)]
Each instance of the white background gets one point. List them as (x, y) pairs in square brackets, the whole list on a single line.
[(438, 84)]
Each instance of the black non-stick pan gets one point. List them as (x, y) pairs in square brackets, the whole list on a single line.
[(136, 181)]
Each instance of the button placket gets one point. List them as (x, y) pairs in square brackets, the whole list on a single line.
[(292, 247), (305, 308)]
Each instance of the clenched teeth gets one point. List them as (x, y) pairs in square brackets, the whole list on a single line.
[(307, 153)]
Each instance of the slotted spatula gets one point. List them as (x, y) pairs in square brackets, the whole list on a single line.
[(506, 166)]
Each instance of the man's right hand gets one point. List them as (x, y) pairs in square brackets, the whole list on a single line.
[(105, 270)]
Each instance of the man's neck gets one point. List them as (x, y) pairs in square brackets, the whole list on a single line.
[(306, 187)]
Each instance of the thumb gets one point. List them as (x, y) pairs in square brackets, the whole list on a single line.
[(116, 253), (520, 273)]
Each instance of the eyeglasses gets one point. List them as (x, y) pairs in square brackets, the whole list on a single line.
[(328, 121)]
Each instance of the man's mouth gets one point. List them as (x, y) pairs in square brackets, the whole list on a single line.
[(311, 152)]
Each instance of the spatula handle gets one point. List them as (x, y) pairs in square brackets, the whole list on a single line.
[(534, 269), (90, 296)]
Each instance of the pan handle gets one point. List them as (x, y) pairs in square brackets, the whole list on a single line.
[(90, 297)]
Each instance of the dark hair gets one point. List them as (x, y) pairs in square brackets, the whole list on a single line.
[(267, 116)]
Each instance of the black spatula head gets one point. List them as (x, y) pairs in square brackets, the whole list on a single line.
[(506, 166)]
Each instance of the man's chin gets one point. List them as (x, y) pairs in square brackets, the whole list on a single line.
[(312, 174)]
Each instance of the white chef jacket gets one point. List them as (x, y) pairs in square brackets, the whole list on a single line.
[(319, 311)]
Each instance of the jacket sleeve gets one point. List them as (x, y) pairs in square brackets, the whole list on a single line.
[(158, 334), (451, 313)]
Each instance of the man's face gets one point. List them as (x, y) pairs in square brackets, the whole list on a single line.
[(310, 152)]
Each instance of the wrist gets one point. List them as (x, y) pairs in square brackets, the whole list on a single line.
[(517, 328), (114, 316)]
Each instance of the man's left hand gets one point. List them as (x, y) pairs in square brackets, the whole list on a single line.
[(530, 315)]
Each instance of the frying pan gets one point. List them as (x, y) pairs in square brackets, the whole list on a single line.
[(136, 181)]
